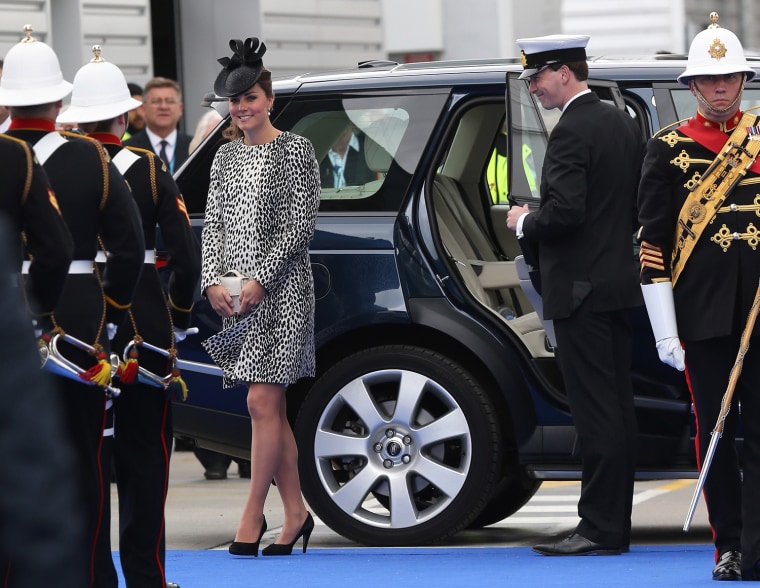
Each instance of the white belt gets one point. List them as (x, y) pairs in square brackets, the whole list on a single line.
[(78, 266), (150, 256), (81, 266)]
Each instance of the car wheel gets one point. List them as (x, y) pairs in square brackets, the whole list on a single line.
[(510, 496), (398, 446)]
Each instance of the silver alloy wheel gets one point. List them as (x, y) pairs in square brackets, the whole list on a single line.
[(392, 448)]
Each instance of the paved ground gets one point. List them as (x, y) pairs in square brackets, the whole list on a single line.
[(203, 514)]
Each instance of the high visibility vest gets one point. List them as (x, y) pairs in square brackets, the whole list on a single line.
[(496, 174)]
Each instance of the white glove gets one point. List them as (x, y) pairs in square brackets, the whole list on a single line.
[(658, 298), (181, 334), (671, 353), (111, 330)]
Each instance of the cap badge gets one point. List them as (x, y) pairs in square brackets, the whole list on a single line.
[(523, 59), (717, 49)]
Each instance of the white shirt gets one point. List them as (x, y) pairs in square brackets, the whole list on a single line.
[(338, 162), (171, 143)]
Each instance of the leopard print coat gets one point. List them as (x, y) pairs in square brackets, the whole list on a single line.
[(260, 216)]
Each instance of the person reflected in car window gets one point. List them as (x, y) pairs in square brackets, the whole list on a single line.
[(581, 237), (345, 164), (699, 273), (260, 218)]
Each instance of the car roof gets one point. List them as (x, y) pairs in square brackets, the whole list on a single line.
[(652, 68)]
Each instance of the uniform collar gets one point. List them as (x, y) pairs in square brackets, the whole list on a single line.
[(105, 138), (31, 124), (726, 127)]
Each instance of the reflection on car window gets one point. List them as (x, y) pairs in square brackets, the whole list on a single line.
[(362, 146), (367, 147), (528, 137)]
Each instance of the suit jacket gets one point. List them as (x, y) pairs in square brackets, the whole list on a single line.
[(585, 223), (357, 172), (181, 150)]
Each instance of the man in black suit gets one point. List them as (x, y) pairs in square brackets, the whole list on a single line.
[(162, 107), (345, 164), (582, 233)]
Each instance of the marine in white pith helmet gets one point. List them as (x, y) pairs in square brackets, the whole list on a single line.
[(715, 52), (32, 74), (100, 93)]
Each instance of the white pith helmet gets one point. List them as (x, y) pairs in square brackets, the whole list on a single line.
[(32, 74), (715, 51), (100, 93)]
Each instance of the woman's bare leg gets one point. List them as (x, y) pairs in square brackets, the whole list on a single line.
[(288, 481), (264, 406)]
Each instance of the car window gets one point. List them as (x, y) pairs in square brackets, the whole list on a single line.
[(367, 147), (528, 137), (686, 103)]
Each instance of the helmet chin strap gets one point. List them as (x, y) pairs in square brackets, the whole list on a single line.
[(719, 111)]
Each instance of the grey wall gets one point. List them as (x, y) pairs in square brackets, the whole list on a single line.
[(206, 29)]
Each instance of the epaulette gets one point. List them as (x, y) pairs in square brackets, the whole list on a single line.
[(140, 150), (104, 161), (152, 164)]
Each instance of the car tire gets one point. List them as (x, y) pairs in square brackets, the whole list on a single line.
[(398, 445), (512, 493)]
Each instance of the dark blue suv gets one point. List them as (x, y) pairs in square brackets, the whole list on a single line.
[(437, 403)]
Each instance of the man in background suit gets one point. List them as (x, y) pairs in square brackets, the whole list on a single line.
[(162, 109), (583, 235), (344, 164)]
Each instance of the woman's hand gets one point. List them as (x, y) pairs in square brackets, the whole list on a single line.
[(220, 300), (251, 295)]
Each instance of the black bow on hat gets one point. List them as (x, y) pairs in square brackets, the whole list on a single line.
[(243, 69)]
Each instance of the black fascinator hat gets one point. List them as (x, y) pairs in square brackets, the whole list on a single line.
[(242, 70)]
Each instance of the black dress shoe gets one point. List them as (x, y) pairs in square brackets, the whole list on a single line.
[(576, 545), (728, 566)]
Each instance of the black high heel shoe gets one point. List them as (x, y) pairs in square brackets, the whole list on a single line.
[(287, 548), (242, 548)]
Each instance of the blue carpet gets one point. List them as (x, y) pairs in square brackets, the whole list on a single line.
[(651, 566)]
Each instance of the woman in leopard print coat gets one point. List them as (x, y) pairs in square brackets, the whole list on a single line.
[(260, 217)]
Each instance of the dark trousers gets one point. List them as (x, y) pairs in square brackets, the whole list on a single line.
[(142, 450), (731, 503), (594, 356), (84, 420)]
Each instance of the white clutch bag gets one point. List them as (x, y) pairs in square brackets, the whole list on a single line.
[(234, 281)]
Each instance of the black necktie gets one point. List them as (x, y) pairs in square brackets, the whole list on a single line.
[(162, 153)]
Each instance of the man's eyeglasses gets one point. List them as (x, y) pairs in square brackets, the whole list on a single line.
[(160, 101)]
